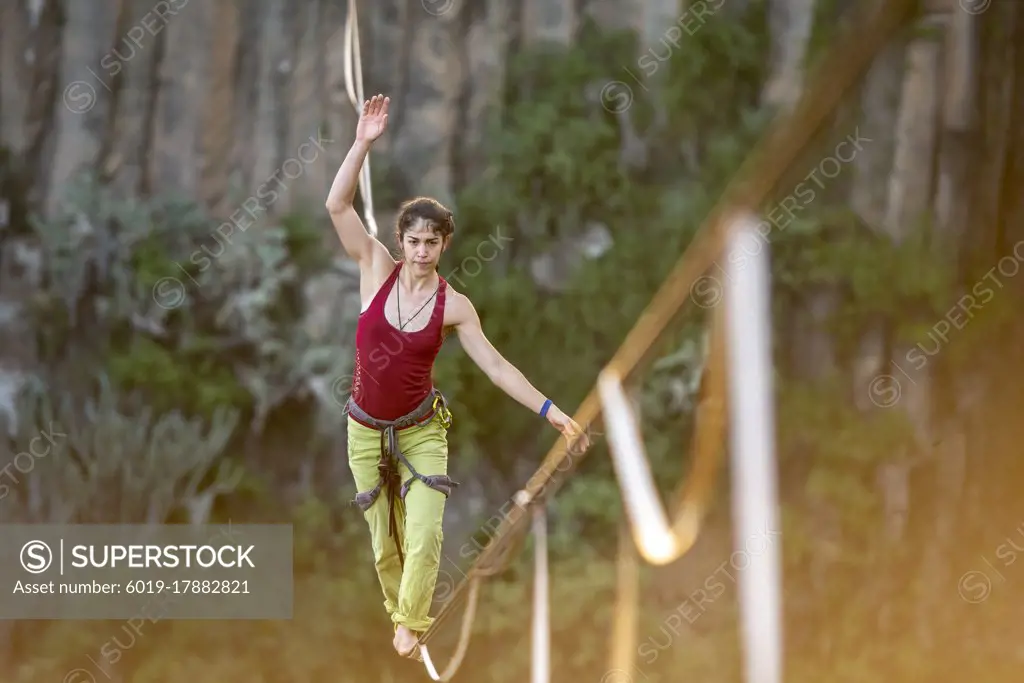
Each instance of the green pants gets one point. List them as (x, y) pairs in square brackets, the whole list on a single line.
[(408, 592)]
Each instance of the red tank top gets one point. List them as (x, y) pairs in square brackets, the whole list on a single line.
[(394, 369)]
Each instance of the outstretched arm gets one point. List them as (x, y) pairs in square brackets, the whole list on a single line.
[(359, 245), (506, 376)]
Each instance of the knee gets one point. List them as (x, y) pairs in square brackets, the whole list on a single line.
[(423, 537), (386, 558)]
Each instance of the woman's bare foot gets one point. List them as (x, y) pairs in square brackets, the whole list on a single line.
[(406, 642)]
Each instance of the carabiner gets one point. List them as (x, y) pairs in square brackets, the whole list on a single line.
[(441, 408)]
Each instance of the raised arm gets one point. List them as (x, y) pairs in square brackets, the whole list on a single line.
[(506, 376), (359, 244)]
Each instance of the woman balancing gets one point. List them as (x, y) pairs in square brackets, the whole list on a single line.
[(397, 420)]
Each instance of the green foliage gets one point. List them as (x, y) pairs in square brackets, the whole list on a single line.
[(823, 29), (304, 241), (174, 311), (715, 75), (842, 470), (555, 152), (556, 172), (829, 247), (194, 383)]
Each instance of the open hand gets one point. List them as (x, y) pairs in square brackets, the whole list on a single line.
[(374, 118), (575, 436)]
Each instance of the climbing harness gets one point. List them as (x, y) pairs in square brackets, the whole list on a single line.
[(433, 406)]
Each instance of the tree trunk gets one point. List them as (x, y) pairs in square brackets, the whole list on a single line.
[(952, 198), (790, 23), (951, 203), (868, 194)]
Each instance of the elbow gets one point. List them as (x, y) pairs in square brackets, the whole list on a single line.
[(498, 374), (335, 206)]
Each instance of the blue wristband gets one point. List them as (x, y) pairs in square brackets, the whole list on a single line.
[(544, 408)]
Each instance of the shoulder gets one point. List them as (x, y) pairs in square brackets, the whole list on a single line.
[(458, 308)]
